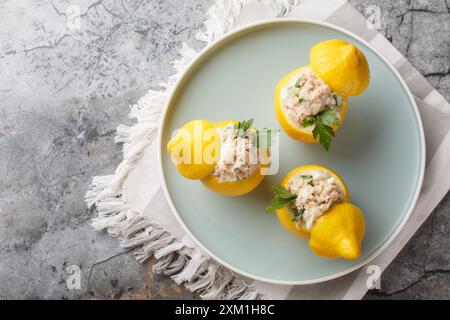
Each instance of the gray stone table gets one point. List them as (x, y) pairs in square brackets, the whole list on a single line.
[(62, 94)]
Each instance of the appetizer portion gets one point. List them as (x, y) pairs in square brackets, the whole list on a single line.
[(238, 169), (307, 109), (312, 202), (311, 101), (316, 190), (226, 157)]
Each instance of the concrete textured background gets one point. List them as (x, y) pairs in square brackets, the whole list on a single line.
[(63, 93)]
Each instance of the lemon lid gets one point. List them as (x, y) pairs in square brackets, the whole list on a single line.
[(339, 232), (193, 149), (341, 65)]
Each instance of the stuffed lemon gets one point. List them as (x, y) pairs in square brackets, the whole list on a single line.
[(228, 157), (311, 101), (238, 169), (307, 109), (193, 149), (312, 202)]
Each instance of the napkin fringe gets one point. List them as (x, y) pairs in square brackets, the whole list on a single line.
[(223, 14), (185, 265)]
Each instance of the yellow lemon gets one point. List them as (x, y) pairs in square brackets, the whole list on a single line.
[(235, 188), (285, 215), (193, 149), (338, 233), (293, 130), (341, 65)]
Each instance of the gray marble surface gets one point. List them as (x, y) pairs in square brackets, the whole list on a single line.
[(64, 87)]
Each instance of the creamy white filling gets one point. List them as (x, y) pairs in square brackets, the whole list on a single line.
[(316, 191), (306, 95), (238, 156)]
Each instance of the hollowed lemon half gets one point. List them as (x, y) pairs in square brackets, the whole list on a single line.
[(285, 214), (293, 130), (235, 188)]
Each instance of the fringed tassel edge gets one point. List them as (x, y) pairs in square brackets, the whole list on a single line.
[(185, 265)]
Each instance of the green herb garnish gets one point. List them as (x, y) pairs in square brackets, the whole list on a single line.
[(306, 176), (242, 127), (324, 133), (281, 198), (328, 117), (323, 129), (297, 214)]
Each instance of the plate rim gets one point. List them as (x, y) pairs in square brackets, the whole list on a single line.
[(197, 242)]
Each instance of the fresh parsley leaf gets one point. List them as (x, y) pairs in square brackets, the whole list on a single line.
[(323, 126), (308, 121), (306, 176), (282, 198), (297, 214), (328, 117), (242, 127), (324, 133), (300, 99), (279, 191), (278, 203)]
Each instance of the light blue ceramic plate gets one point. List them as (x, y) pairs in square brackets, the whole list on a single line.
[(379, 151)]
